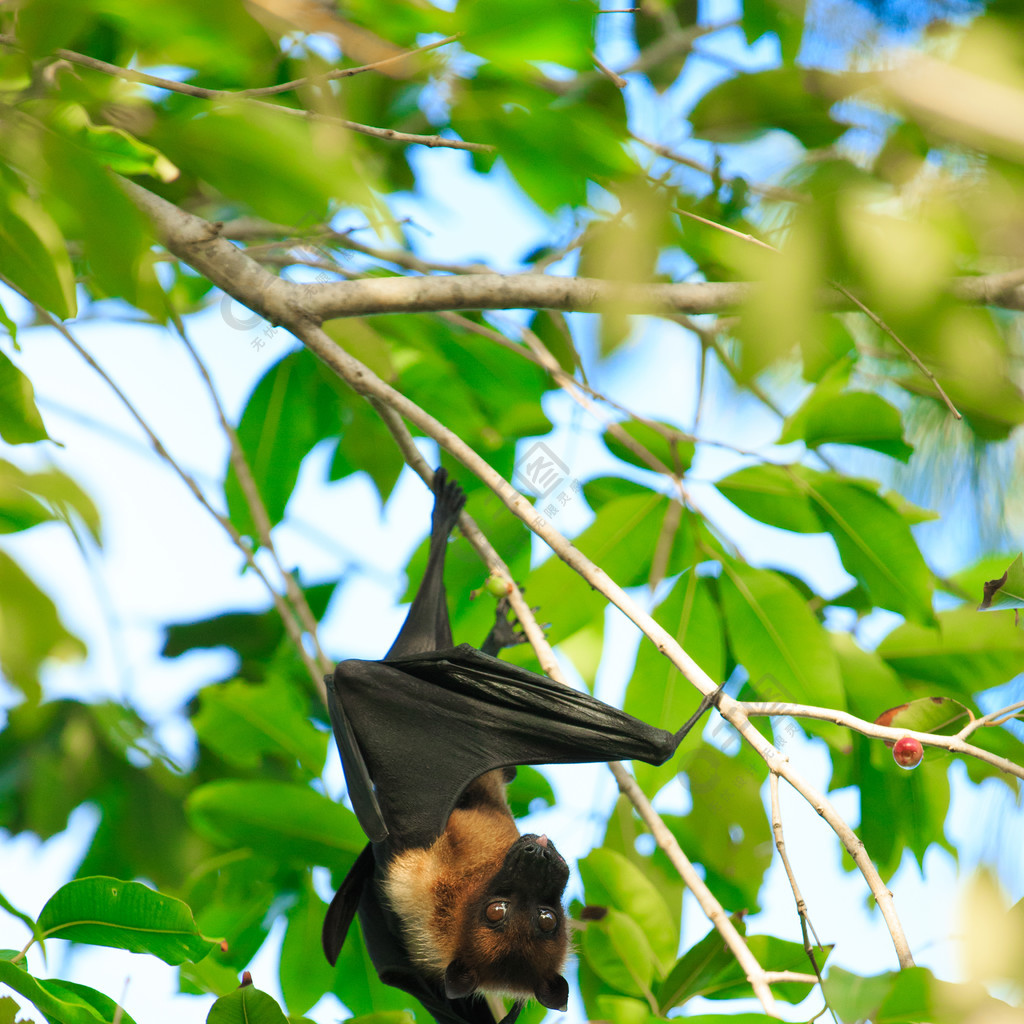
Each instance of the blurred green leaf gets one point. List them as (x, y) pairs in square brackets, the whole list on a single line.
[(612, 880), (512, 34), (617, 949), (876, 546), (832, 416), (34, 258), (1007, 591), (726, 789), (20, 421), (663, 441), (30, 629), (243, 721), (965, 653), (62, 1001), (748, 105), (774, 495), (657, 692), (279, 819), (304, 977)]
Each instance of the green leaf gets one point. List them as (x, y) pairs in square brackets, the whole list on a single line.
[(20, 422), (246, 1005), (657, 692), (746, 106), (966, 652), (48, 25), (512, 34), (727, 789), (777, 639), (621, 540), (699, 970), (124, 154), (617, 950), (281, 820), (876, 546), (34, 254), (870, 683), (1007, 591), (356, 983), (295, 405), (63, 1002), (832, 416), (125, 915), (11, 909), (528, 786), (243, 721), (19, 508), (612, 880), (666, 443), (913, 994), (941, 715), (304, 978), (775, 495), (30, 629)]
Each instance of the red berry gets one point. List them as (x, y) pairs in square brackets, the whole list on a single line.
[(908, 752)]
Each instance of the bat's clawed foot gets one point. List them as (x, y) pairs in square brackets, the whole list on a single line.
[(449, 499), (506, 632)]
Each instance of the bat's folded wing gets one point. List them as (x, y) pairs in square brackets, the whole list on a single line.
[(424, 726)]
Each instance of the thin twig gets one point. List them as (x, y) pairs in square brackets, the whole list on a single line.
[(291, 626), (336, 73), (911, 354), (257, 508), (200, 92), (801, 906), (992, 718), (954, 744), (846, 293)]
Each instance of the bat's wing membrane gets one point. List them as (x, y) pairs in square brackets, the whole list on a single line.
[(427, 725)]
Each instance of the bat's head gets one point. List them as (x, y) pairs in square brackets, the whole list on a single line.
[(514, 940)]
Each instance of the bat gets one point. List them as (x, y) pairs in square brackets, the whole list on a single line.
[(452, 901)]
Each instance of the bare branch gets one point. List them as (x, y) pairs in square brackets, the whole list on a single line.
[(954, 744)]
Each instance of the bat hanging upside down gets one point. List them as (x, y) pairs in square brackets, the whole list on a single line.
[(453, 902)]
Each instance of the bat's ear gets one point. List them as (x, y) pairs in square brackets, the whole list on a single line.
[(459, 980), (553, 992)]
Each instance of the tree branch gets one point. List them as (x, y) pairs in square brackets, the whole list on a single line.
[(954, 744)]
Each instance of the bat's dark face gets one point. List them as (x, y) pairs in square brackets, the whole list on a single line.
[(515, 939)]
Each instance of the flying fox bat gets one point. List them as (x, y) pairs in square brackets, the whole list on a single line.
[(452, 900)]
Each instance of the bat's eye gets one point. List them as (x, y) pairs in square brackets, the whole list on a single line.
[(496, 911), (546, 920)]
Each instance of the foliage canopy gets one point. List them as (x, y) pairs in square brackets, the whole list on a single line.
[(831, 240)]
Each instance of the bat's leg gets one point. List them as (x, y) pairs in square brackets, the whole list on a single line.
[(426, 626), (709, 700), (504, 632)]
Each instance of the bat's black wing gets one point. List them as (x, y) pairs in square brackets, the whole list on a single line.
[(421, 728)]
